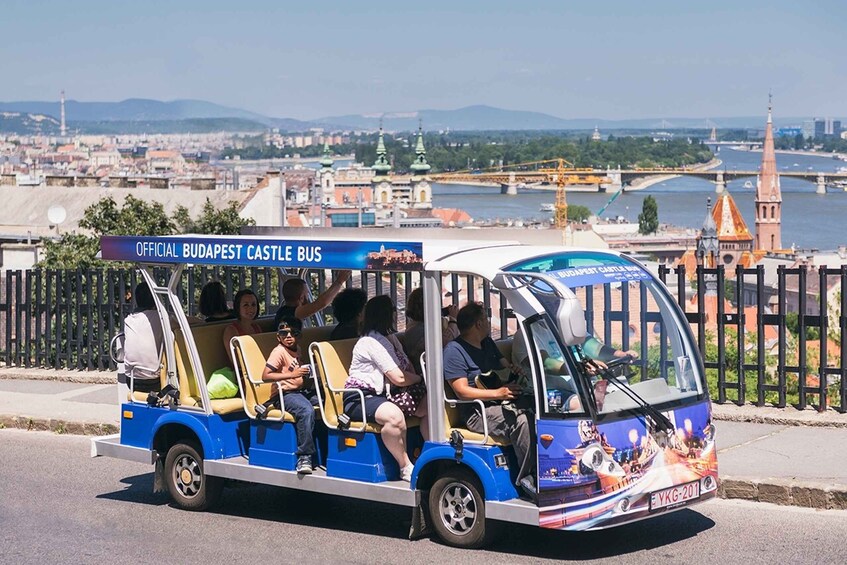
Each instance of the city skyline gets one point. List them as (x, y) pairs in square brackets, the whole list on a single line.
[(309, 62)]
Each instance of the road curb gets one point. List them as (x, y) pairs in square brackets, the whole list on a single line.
[(57, 426), (778, 416), (784, 492), (82, 377)]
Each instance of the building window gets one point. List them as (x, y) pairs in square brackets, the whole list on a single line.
[(727, 258)]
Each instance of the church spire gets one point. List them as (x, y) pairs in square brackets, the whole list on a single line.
[(768, 194), (708, 247), (381, 166), (326, 160), (420, 166)]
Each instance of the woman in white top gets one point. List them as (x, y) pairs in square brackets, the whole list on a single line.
[(378, 359)]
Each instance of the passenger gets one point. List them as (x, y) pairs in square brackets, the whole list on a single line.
[(472, 354), (349, 310), (283, 367), (246, 306), (414, 336), (213, 305), (379, 361), (556, 372), (296, 298), (143, 342)]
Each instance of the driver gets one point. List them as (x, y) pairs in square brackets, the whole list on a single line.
[(556, 373)]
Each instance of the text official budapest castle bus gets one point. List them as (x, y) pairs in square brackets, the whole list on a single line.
[(618, 440)]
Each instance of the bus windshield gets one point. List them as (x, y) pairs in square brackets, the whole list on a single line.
[(634, 347)]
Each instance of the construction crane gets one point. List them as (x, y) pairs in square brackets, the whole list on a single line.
[(558, 171), (609, 202), (560, 216)]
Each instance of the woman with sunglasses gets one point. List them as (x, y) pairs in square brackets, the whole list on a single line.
[(379, 360)]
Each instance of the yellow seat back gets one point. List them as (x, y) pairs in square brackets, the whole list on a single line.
[(331, 360), (249, 365)]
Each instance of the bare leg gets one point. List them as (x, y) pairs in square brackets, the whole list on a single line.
[(393, 423), (421, 413)]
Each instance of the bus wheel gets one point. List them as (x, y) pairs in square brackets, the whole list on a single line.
[(457, 509), (190, 488)]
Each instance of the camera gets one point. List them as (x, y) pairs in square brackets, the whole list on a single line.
[(445, 311)]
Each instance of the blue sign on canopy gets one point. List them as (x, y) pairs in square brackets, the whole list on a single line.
[(265, 252), (599, 274)]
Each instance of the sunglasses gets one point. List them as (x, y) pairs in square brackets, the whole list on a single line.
[(286, 333)]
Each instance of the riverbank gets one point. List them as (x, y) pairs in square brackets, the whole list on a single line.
[(647, 182)]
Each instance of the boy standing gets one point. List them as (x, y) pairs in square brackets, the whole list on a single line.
[(283, 366)]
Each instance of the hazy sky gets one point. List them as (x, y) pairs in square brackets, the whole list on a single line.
[(573, 59)]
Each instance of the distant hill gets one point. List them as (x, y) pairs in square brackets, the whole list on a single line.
[(143, 115), (132, 109), (137, 114), (26, 124), (476, 118), (193, 125)]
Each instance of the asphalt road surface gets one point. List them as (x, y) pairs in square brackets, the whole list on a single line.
[(57, 505)]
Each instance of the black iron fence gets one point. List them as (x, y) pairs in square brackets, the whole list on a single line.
[(766, 340)]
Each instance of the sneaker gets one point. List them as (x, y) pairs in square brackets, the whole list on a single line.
[(304, 465), (406, 473)]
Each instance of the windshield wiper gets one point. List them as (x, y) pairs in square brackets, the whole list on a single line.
[(661, 421)]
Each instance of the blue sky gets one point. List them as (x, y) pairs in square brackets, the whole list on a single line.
[(598, 59)]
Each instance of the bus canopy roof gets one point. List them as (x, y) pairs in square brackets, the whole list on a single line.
[(482, 258)]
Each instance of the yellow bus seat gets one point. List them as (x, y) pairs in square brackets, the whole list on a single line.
[(249, 365), (330, 361)]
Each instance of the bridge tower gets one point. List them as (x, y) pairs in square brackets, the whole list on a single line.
[(768, 195)]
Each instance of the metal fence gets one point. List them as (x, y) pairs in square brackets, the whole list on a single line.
[(766, 342)]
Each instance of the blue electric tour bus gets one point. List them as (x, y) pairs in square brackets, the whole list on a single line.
[(616, 442)]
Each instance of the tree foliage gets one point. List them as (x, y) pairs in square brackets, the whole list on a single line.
[(457, 151), (134, 217), (648, 219), (577, 213)]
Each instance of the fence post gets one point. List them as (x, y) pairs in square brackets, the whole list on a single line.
[(760, 327), (842, 324), (781, 330), (823, 328), (721, 321), (801, 320)]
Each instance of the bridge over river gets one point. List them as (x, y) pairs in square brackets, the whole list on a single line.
[(606, 179)]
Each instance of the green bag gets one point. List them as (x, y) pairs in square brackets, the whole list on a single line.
[(222, 384)]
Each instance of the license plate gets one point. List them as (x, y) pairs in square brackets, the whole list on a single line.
[(674, 496)]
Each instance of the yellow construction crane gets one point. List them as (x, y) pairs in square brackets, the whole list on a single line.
[(562, 173)]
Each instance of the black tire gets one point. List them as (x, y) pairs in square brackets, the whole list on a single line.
[(457, 510), (188, 485)]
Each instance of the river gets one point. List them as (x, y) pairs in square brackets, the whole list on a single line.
[(809, 220)]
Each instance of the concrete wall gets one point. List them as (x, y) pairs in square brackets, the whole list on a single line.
[(18, 256), (265, 207)]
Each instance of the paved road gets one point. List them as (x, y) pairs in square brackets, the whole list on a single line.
[(59, 506)]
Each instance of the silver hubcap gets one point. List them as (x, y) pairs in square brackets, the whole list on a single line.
[(187, 476), (458, 508)]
